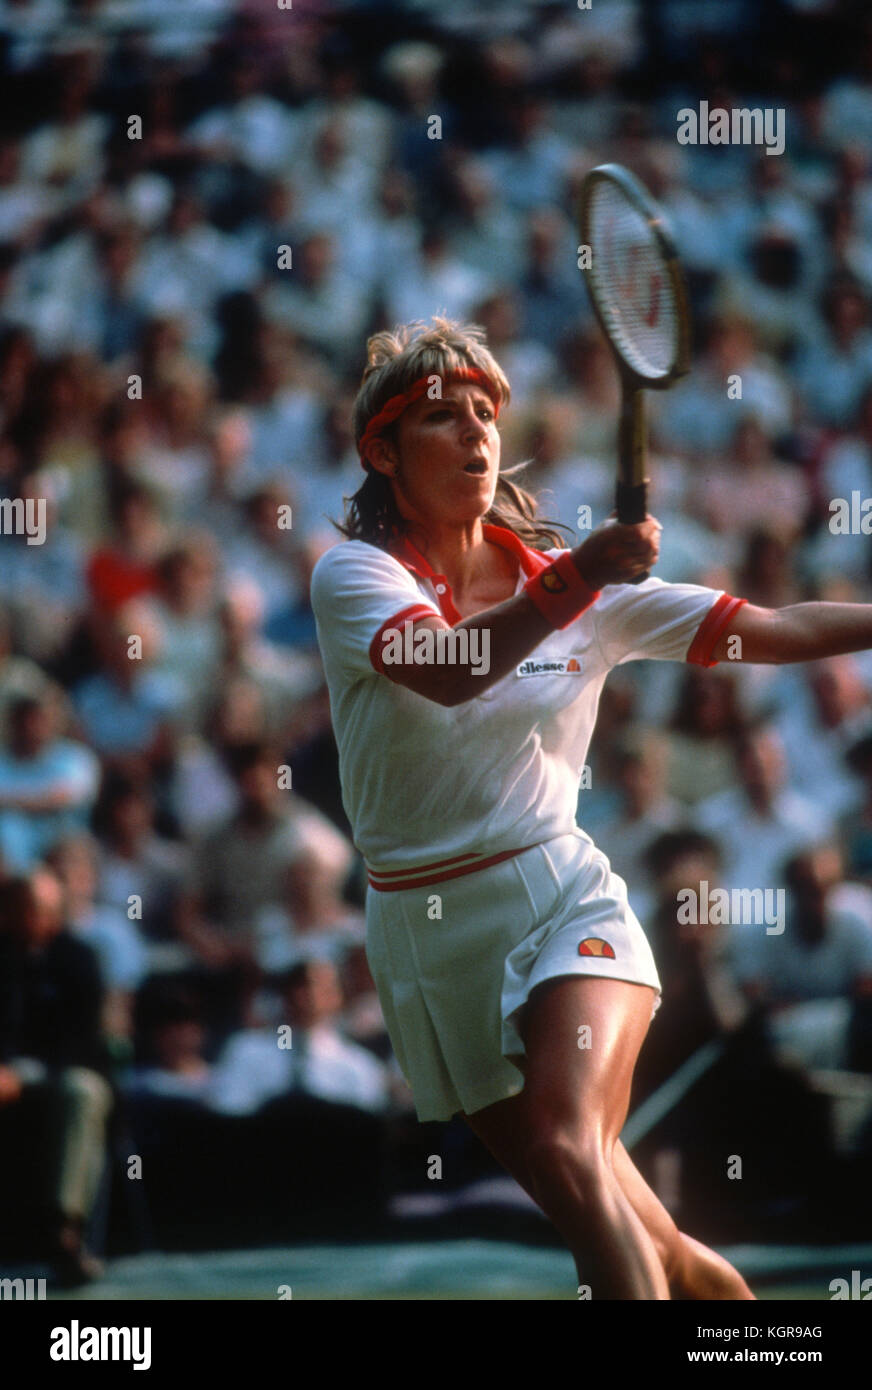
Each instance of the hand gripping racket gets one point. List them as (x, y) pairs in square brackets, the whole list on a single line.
[(637, 291)]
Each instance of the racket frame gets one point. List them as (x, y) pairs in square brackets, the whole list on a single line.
[(632, 485)]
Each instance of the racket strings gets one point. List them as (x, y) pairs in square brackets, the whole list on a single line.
[(631, 283)]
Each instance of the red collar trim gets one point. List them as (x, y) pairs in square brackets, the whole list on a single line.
[(531, 562)]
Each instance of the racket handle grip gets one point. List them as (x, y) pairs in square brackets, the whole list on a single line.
[(632, 494), (631, 504)]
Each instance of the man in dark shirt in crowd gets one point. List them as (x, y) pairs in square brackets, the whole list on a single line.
[(52, 1055)]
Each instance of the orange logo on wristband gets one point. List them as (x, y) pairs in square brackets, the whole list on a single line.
[(553, 582)]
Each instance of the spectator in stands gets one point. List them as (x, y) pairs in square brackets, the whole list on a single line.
[(750, 485), (140, 872), (434, 275), (281, 676), (414, 71), (47, 783), (256, 1066), (172, 1037), (26, 202), (52, 1058), (240, 868), (845, 468), (202, 790), (533, 364), (847, 114), (368, 124), (126, 566), (484, 232), (185, 609), (760, 822), (186, 267), (701, 417), (313, 919), (229, 447), (284, 405), (264, 550), (19, 676), (336, 474), (835, 367), (706, 719), (594, 391), (550, 288), (43, 583), (251, 126), (332, 176), (809, 977), (127, 707), (111, 934), (534, 163), (175, 458), (695, 956), (319, 302), (114, 313), (829, 709), (765, 572), (66, 152), (646, 812)]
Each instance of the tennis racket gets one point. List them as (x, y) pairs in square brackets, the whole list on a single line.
[(637, 291)]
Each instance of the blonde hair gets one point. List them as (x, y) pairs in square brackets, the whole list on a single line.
[(395, 361)]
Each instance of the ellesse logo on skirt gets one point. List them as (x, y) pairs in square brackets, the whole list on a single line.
[(565, 666)]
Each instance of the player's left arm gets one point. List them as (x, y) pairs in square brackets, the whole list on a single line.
[(799, 632)]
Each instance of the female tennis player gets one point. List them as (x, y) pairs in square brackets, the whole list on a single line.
[(465, 649)]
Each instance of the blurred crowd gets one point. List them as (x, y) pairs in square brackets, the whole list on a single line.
[(204, 210)]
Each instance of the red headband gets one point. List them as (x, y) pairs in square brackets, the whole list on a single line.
[(394, 407)]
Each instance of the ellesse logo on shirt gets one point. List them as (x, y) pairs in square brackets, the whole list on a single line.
[(567, 666)]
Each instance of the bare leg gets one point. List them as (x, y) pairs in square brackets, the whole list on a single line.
[(566, 1123), (695, 1271), (507, 1129)]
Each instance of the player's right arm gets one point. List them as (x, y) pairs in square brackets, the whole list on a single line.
[(358, 618), (612, 554), (514, 629)]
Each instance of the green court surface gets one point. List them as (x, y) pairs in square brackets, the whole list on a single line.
[(451, 1269)]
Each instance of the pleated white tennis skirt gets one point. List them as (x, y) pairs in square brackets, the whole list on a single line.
[(455, 962)]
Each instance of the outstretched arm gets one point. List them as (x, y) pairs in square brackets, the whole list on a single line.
[(611, 554), (800, 632)]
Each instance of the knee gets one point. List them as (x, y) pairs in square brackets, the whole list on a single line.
[(561, 1157)]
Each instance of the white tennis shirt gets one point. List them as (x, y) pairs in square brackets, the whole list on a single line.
[(435, 790)]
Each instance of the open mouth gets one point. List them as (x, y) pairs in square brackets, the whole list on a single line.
[(475, 466)]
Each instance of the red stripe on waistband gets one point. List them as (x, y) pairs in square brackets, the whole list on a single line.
[(393, 880), (424, 868)]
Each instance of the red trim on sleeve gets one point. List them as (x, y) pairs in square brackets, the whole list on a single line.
[(710, 629), (415, 610)]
